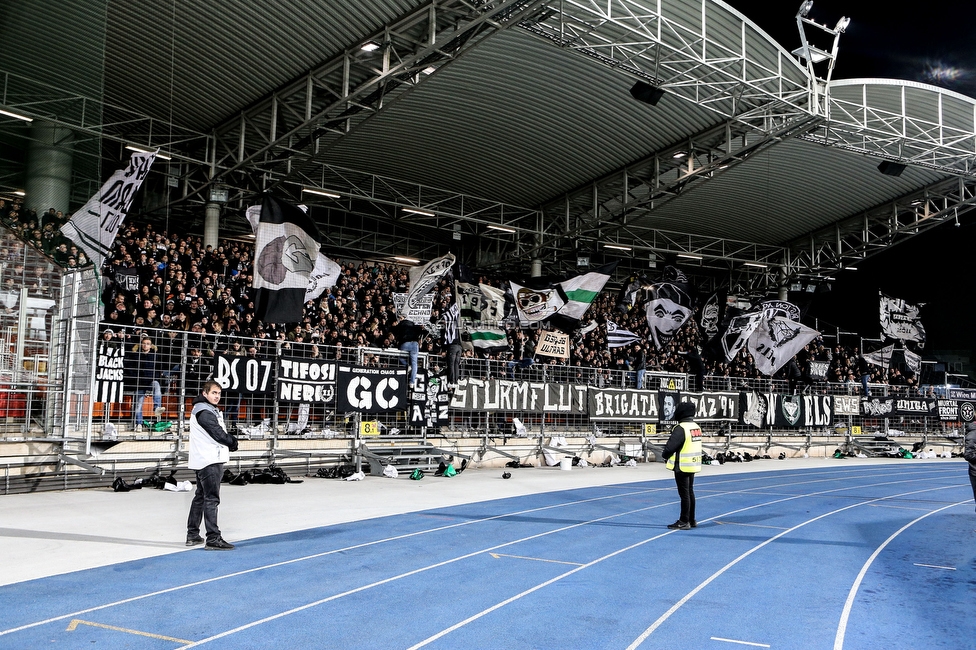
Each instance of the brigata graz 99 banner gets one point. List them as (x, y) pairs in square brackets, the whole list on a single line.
[(371, 390)]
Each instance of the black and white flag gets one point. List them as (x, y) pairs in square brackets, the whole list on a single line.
[(285, 252), (618, 337), (94, 226), (900, 320), (109, 373)]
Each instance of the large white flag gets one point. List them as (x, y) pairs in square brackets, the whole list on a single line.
[(94, 226), (423, 279), (777, 341)]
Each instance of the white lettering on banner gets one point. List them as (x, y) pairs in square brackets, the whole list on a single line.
[(847, 405), (256, 374), (358, 393), (816, 410)]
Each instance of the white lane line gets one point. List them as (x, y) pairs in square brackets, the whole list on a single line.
[(736, 523), (935, 566), (314, 556), (518, 596), (830, 476), (877, 505), (664, 617), (758, 645), (845, 615)]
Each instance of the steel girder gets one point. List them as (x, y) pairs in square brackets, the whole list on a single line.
[(844, 244), (280, 135)]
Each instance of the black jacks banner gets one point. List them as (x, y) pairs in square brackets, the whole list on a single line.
[(371, 390), (773, 410), (247, 375), (623, 405), (883, 407), (429, 404), (529, 397), (109, 373), (309, 381), (714, 407)]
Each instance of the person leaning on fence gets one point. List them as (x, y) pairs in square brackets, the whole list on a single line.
[(142, 375), (210, 447), (969, 453), (685, 443)]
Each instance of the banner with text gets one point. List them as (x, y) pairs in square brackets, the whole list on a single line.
[(306, 380), (531, 397), (248, 375), (370, 390), (773, 410)]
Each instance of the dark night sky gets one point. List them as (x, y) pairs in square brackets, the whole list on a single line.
[(932, 43)]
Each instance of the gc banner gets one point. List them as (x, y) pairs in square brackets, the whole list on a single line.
[(371, 390), (248, 375), (306, 380)]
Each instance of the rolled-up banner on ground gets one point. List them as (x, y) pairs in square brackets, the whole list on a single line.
[(310, 381), (371, 390)]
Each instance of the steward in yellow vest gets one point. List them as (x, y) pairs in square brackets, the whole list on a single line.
[(683, 453)]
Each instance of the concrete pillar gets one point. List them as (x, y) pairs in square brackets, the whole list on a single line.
[(48, 177), (536, 268), (211, 225)]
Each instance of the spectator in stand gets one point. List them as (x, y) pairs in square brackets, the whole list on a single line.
[(142, 378)]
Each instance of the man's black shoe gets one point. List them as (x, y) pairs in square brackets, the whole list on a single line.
[(693, 523), (219, 545), (680, 525), (193, 540)]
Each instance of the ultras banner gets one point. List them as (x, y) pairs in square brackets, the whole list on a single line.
[(306, 380), (530, 397), (772, 410), (370, 390)]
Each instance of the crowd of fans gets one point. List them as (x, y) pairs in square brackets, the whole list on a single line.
[(172, 281)]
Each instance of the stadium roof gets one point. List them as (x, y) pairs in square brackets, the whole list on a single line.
[(514, 113)]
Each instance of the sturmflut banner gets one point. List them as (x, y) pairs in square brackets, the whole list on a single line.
[(310, 381), (530, 397), (371, 390)]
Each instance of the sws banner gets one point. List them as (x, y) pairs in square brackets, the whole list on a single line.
[(306, 380), (370, 390), (847, 404), (773, 410), (248, 375), (506, 395)]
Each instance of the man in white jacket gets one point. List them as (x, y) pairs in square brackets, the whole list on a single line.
[(210, 447)]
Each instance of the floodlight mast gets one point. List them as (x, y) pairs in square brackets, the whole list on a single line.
[(814, 56)]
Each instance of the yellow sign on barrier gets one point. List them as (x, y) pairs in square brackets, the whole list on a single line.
[(650, 429), (369, 428), (855, 431)]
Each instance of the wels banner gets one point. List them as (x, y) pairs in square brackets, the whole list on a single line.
[(622, 405), (370, 390), (248, 375), (772, 410), (505, 395), (306, 380), (714, 407)]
